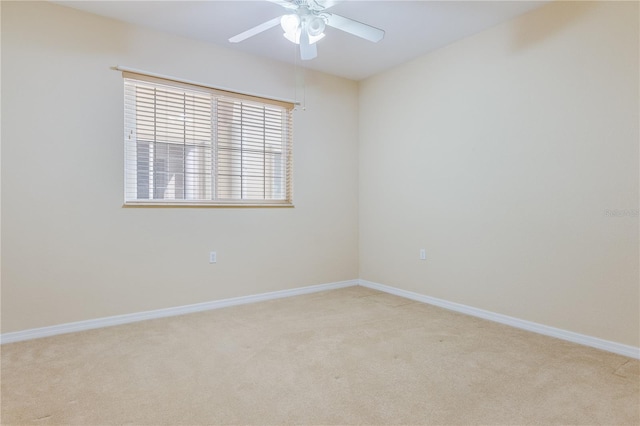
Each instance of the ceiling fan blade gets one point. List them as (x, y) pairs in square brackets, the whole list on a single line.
[(307, 50), (255, 30), (356, 28), (326, 4), (284, 3)]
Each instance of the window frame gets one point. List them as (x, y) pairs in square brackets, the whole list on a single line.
[(217, 95)]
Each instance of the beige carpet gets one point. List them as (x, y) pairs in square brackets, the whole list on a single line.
[(350, 356)]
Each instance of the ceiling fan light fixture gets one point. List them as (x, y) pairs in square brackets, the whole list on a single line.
[(295, 37), (313, 39), (315, 26), (290, 23)]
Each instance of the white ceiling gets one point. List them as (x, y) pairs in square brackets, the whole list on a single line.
[(413, 28)]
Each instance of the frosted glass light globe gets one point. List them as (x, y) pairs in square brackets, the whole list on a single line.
[(290, 23)]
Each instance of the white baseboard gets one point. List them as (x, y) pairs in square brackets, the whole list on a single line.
[(618, 348), (35, 333)]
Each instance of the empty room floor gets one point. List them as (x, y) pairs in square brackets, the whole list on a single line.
[(347, 356)]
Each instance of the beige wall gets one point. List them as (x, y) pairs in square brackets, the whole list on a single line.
[(71, 252), (500, 155)]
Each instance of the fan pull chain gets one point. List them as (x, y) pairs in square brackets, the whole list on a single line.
[(299, 79)]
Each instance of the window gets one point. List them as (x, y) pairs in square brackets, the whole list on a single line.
[(192, 145)]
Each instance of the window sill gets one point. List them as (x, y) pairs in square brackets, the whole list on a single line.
[(188, 204)]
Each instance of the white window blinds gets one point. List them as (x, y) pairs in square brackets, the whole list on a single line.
[(191, 145)]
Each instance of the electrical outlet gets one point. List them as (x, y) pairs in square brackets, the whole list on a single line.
[(423, 254), (213, 258)]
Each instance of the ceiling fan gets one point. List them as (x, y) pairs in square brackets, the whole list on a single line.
[(305, 22)]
